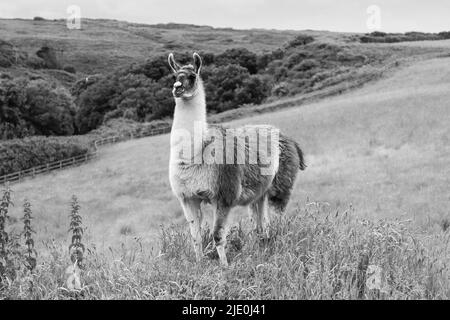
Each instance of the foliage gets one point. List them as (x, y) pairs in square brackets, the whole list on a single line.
[(126, 127), (300, 40), (76, 248), (310, 254), (49, 56), (30, 252), (233, 78), (240, 56), (22, 154), (9, 245), (34, 107), (378, 36), (229, 87), (130, 95)]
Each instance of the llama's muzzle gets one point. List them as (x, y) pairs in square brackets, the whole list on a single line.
[(178, 88)]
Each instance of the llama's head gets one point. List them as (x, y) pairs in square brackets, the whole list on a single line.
[(186, 77)]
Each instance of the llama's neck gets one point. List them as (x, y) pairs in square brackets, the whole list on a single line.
[(191, 113), (189, 120)]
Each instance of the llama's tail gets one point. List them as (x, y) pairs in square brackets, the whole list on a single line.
[(291, 160), (301, 158)]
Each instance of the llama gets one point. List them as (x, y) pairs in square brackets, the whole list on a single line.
[(223, 185)]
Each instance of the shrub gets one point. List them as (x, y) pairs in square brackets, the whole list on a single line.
[(306, 64), (50, 57), (378, 34), (125, 128), (36, 62), (280, 89), (76, 248), (236, 77), (300, 40), (30, 254), (111, 97), (239, 56), (444, 34), (9, 245), (22, 154), (228, 87), (69, 69), (34, 107), (399, 37)]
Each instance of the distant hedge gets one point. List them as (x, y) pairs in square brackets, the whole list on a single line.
[(383, 37), (22, 154), (123, 127)]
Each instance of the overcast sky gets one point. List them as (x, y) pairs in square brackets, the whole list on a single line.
[(334, 15)]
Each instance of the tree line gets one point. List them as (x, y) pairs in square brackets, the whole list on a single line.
[(141, 91)]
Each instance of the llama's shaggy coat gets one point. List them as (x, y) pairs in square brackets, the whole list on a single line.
[(221, 183), (291, 159)]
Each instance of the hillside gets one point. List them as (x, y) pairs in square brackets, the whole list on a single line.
[(383, 149), (104, 44), (374, 195), (60, 82)]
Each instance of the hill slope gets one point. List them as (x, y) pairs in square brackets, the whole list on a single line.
[(101, 45), (384, 149)]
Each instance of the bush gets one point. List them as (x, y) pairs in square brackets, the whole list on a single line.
[(306, 64), (22, 154), (280, 90), (239, 56), (399, 37), (34, 107), (10, 55), (124, 127), (36, 62), (444, 35), (228, 87), (69, 69), (124, 94), (300, 40), (236, 77), (50, 57)]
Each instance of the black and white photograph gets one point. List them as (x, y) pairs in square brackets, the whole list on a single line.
[(242, 152)]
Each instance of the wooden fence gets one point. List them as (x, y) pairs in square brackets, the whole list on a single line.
[(78, 160)]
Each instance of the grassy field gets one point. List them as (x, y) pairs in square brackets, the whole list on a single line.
[(382, 148), (378, 154)]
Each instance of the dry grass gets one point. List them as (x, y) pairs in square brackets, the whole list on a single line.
[(313, 254)]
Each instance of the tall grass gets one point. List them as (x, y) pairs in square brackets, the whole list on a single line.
[(313, 253)]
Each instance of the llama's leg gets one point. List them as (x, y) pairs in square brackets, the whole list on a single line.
[(260, 211), (256, 215), (194, 216), (220, 232)]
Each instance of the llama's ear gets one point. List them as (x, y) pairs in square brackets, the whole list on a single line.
[(173, 65), (197, 63)]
